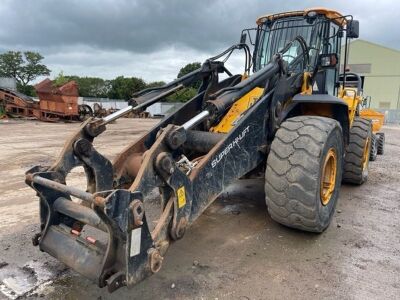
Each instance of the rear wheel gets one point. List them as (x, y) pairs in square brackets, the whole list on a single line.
[(357, 155), (304, 172), (374, 147), (381, 142)]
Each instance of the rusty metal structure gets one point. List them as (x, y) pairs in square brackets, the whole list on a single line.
[(58, 101), (16, 103), (55, 102)]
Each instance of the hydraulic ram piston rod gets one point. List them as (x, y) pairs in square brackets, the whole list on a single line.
[(122, 112), (196, 120), (63, 188)]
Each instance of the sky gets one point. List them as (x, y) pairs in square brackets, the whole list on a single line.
[(153, 39)]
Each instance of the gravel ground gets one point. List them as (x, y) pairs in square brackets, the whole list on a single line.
[(233, 251)]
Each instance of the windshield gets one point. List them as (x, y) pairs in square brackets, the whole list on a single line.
[(273, 38)]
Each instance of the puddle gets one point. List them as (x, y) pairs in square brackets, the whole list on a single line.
[(16, 281)]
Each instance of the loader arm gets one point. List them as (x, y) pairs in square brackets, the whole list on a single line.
[(179, 156), (129, 251)]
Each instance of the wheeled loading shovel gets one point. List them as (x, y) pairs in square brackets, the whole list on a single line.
[(271, 121)]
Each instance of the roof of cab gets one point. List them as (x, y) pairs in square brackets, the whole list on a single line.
[(329, 13)]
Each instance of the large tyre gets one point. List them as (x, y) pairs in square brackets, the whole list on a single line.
[(304, 172), (374, 148), (356, 159), (381, 142)]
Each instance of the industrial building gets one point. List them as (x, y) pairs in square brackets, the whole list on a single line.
[(379, 67)]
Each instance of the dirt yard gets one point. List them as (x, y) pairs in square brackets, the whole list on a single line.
[(234, 251)]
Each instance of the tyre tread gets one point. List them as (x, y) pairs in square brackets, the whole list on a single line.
[(359, 132), (290, 186)]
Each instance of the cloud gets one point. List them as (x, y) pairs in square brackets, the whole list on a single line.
[(160, 65), (151, 39)]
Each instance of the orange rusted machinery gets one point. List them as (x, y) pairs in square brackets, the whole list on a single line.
[(55, 102), (58, 101), (16, 103)]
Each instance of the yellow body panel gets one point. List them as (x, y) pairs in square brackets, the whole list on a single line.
[(238, 108), (306, 87), (377, 118), (351, 97)]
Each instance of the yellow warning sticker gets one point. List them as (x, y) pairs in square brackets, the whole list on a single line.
[(181, 197)]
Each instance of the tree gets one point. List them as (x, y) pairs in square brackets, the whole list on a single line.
[(92, 86), (88, 86), (155, 84), (190, 68), (24, 67), (183, 95), (10, 64), (60, 79), (124, 87), (118, 88), (28, 90), (189, 92)]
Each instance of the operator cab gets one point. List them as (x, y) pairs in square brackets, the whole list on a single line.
[(321, 31)]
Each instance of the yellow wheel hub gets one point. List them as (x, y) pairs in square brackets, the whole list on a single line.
[(328, 179), (365, 158)]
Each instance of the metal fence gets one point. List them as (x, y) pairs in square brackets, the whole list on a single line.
[(392, 116), (8, 83), (157, 109), (105, 102)]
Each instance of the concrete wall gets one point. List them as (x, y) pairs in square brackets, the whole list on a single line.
[(159, 108), (105, 102), (163, 108), (8, 83)]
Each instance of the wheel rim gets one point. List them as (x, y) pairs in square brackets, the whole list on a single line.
[(367, 148), (328, 178)]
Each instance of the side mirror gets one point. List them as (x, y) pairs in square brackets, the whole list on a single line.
[(329, 60), (243, 38), (353, 29)]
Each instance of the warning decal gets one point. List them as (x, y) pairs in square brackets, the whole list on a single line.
[(181, 197)]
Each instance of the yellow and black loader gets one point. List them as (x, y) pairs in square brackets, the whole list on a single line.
[(285, 119)]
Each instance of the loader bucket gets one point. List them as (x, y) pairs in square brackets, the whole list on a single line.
[(376, 117), (106, 240)]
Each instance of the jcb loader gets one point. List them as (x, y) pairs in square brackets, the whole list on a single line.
[(282, 119)]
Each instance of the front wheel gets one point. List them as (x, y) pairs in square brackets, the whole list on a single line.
[(304, 172)]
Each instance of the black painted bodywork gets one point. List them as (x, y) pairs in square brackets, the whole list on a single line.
[(231, 156), (115, 190)]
